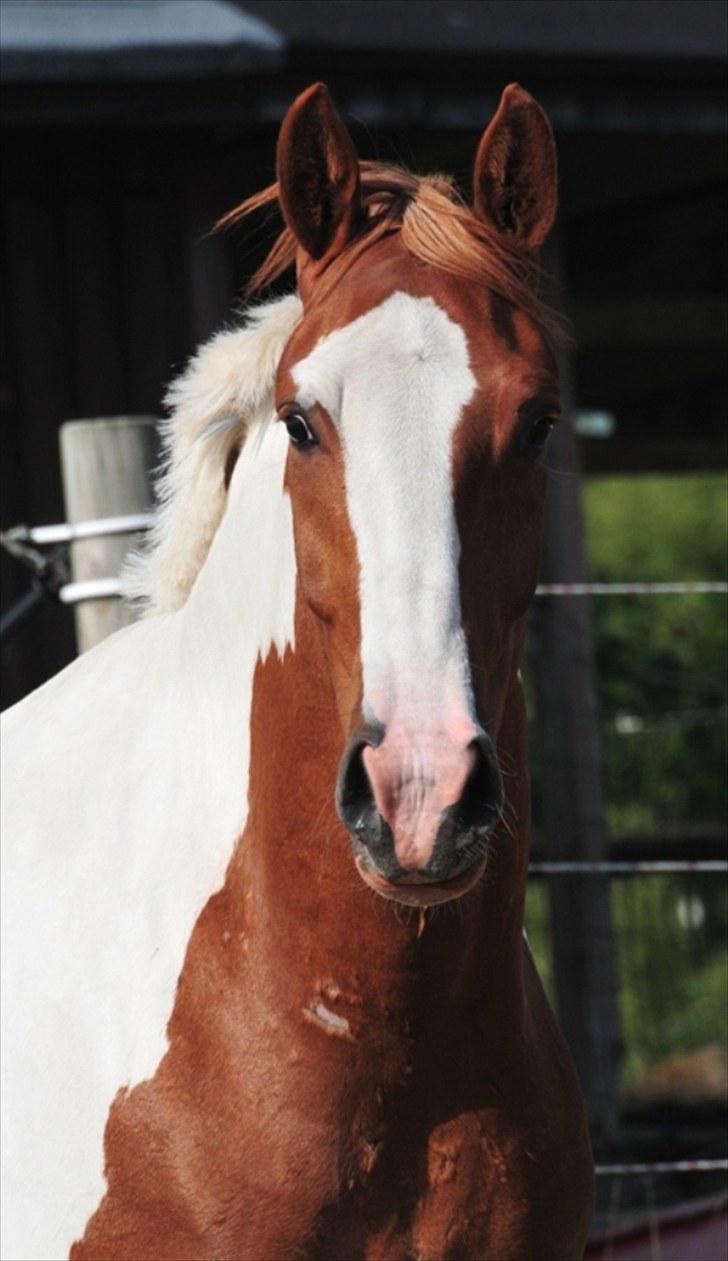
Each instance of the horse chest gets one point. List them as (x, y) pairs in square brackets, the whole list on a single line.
[(310, 1126), (378, 1183), (456, 1193)]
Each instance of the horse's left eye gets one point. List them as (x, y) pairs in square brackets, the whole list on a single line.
[(537, 435), (300, 431)]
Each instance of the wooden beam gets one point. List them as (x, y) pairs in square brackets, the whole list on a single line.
[(571, 788), (106, 466)]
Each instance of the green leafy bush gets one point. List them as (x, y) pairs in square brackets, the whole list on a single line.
[(662, 682), (661, 660)]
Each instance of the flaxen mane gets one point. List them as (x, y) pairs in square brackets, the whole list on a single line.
[(228, 384), (226, 388), (437, 227)]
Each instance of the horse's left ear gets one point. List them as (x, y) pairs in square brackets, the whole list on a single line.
[(515, 170), (318, 174)]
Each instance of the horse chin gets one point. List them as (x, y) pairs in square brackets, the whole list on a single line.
[(421, 893)]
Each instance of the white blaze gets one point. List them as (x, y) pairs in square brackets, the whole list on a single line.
[(395, 382)]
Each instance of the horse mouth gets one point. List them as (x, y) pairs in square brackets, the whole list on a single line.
[(418, 891)]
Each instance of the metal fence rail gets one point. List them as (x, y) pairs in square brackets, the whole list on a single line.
[(627, 867), (632, 588), (67, 532), (662, 1166)]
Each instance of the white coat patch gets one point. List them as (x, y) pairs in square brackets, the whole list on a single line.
[(125, 790)]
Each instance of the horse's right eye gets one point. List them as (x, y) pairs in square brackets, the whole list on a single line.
[(535, 433), (538, 434), (300, 431)]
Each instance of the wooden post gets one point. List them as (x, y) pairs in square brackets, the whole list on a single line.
[(571, 784), (106, 470)]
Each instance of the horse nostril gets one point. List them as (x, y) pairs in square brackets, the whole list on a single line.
[(354, 795), (481, 801)]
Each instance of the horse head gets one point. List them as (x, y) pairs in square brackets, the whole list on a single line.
[(418, 390)]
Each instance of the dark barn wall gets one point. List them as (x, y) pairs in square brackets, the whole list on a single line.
[(108, 282)]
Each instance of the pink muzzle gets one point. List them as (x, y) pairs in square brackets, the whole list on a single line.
[(419, 802)]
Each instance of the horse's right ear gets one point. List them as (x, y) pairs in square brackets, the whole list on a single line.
[(318, 174)]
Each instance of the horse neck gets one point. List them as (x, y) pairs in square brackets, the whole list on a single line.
[(312, 923)]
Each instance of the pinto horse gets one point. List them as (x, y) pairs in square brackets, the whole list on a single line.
[(267, 992)]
